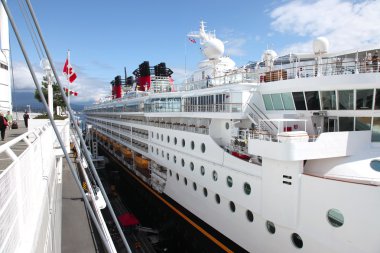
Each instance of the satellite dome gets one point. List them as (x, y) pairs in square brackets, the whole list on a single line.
[(213, 48), (321, 45), (269, 56)]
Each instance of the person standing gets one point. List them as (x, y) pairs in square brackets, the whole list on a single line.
[(26, 118), (3, 125), (9, 118)]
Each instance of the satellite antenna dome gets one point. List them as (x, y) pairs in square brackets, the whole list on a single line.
[(269, 55), (213, 48), (321, 45)]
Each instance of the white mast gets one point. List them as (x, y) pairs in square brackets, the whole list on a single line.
[(5, 78)]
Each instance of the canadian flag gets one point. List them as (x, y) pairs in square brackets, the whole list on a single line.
[(73, 93), (69, 71), (192, 40)]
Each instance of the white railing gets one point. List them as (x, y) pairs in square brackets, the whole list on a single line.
[(29, 190)]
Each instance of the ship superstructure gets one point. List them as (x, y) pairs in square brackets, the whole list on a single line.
[(280, 155)]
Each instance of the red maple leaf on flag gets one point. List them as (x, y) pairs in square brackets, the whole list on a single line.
[(69, 72)]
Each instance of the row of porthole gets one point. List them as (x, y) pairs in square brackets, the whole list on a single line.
[(192, 144), (248, 213), (246, 186)]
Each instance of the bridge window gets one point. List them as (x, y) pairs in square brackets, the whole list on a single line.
[(328, 100), (312, 100), (288, 101), (377, 99), (299, 100), (364, 99), (346, 124), (277, 102), (267, 102), (362, 123), (346, 99)]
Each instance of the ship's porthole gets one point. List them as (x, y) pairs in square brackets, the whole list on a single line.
[(270, 226), (232, 206), (152, 149), (158, 136), (191, 166), (205, 192), (167, 156), (247, 188), (203, 148), (185, 180), (297, 240), (249, 215), (170, 173), (217, 198), (163, 153), (227, 125), (192, 145), (229, 181), (194, 186), (177, 177), (183, 143), (202, 170), (175, 140), (183, 162), (174, 159), (375, 165), (168, 138), (162, 137), (157, 151), (152, 135), (335, 218), (215, 175)]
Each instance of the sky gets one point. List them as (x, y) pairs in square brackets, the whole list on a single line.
[(105, 36)]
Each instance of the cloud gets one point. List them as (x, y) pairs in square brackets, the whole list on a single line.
[(234, 42), (89, 88), (346, 24)]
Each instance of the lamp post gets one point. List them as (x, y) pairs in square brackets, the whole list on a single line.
[(49, 75)]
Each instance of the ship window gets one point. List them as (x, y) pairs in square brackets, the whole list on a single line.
[(175, 140), (229, 181), (202, 170), (192, 144), (375, 165), (152, 149), (205, 191), (163, 153), (168, 138), (288, 101), (346, 99), (174, 159), (215, 175), (183, 162), (364, 99), (177, 176), (346, 124), (377, 99), (203, 148), (191, 166), (328, 99), (299, 100), (185, 180), (158, 136), (277, 102), (162, 137), (183, 143), (157, 151), (249, 215), (312, 100), (167, 156), (247, 188), (270, 226), (217, 198), (170, 173), (152, 135), (362, 123), (227, 125), (232, 206), (267, 102), (335, 218), (297, 240), (194, 186), (376, 129)]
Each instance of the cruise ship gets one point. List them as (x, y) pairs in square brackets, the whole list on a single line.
[(280, 155)]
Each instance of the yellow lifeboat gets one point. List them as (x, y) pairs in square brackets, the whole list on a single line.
[(141, 163), (116, 146), (127, 153)]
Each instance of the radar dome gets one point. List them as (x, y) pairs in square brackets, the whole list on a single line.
[(213, 48), (321, 45)]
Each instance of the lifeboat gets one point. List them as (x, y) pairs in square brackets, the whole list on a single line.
[(240, 155), (127, 153), (141, 163), (116, 146)]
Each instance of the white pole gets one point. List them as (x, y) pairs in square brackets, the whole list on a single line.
[(50, 93), (68, 72)]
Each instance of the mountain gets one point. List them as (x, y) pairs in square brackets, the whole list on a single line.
[(23, 99)]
